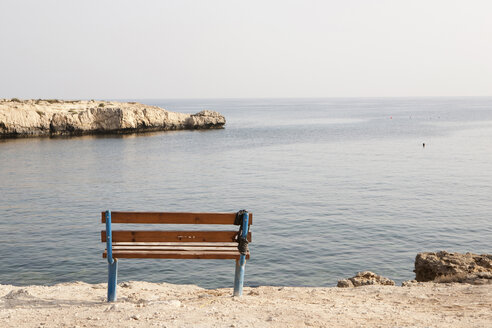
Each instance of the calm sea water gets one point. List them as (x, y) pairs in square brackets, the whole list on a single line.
[(336, 186)]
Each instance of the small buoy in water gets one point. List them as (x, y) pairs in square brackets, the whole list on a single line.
[(391, 117), (423, 145)]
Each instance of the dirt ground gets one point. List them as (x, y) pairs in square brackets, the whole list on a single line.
[(142, 304)]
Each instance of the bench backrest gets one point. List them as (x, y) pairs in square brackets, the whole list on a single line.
[(172, 218)]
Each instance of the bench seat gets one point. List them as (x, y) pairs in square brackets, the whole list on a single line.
[(169, 250)]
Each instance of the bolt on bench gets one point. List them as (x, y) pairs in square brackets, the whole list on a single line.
[(159, 244)]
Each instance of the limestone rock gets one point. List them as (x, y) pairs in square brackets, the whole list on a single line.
[(205, 118), (23, 118), (415, 283), (365, 278), (345, 283), (453, 267)]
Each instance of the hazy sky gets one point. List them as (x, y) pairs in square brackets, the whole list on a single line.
[(242, 49)]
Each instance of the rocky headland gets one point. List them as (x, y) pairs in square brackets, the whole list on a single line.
[(33, 118)]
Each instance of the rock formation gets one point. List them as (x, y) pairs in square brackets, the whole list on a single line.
[(25, 118), (365, 278), (453, 267)]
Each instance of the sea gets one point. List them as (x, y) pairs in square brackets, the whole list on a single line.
[(336, 186)]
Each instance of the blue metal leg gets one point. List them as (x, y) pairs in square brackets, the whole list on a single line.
[(112, 263), (239, 276), (112, 280), (241, 263)]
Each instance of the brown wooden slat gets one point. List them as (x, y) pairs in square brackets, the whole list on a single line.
[(172, 218), (177, 236), (189, 244), (176, 255), (173, 248)]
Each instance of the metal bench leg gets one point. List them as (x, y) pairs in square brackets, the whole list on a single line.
[(241, 263), (112, 280), (112, 263), (239, 276)]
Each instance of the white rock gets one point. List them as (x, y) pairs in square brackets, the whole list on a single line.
[(51, 118)]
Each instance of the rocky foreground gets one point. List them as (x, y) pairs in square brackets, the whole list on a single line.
[(374, 301), (31, 118), (142, 304)]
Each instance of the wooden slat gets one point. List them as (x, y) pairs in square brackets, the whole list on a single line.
[(173, 248), (170, 236), (176, 255), (172, 218), (189, 244)]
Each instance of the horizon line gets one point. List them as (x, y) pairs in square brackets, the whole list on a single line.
[(243, 98)]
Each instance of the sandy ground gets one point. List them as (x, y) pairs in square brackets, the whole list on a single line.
[(142, 304)]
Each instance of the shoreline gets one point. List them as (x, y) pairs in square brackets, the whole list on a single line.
[(144, 304), (53, 118)]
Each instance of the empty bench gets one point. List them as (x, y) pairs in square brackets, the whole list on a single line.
[(174, 244)]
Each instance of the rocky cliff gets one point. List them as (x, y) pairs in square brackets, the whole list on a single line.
[(26, 118)]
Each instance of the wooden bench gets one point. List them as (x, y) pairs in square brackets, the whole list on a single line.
[(165, 244)]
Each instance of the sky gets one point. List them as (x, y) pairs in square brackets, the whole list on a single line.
[(244, 49)]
